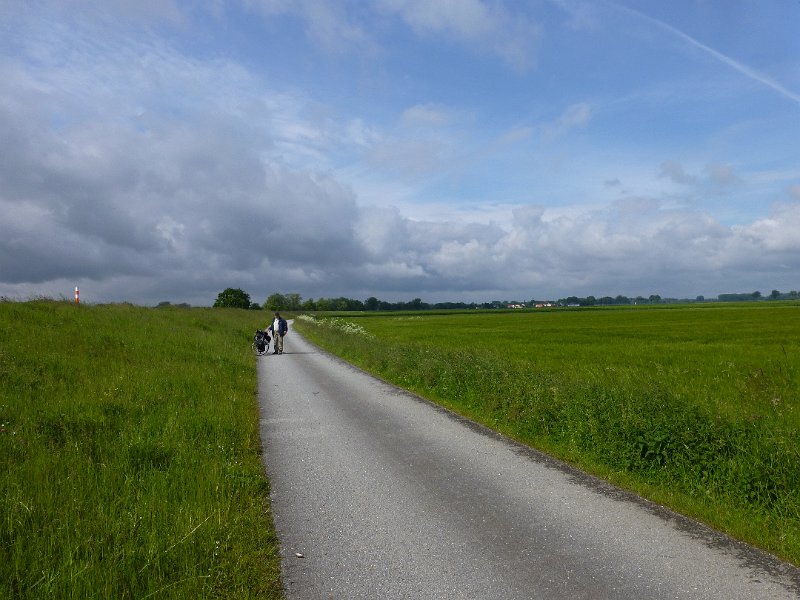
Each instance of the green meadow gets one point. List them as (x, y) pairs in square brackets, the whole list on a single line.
[(131, 466), (696, 407), (130, 459)]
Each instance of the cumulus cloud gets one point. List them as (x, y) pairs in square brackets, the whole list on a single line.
[(163, 214), (634, 246), (126, 187)]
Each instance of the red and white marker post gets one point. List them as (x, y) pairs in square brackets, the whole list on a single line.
[(77, 295)]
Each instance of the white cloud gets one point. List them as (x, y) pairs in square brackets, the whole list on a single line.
[(466, 19), (774, 234), (328, 24), (485, 27)]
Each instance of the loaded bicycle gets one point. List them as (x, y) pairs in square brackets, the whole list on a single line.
[(261, 341)]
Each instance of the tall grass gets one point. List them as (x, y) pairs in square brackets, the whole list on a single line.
[(130, 461), (698, 409)]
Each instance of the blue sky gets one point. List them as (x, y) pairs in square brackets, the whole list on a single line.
[(459, 150)]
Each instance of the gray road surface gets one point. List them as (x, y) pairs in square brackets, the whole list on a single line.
[(386, 496)]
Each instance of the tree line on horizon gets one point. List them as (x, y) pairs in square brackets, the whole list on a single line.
[(293, 302)]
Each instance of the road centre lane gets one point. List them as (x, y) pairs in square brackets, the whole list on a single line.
[(388, 496)]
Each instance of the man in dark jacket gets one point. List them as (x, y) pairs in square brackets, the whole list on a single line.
[(278, 327)]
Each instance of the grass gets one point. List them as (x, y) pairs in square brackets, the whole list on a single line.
[(697, 408), (130, 459)]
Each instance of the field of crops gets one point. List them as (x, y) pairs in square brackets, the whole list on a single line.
[(130, 460), (696, 407)]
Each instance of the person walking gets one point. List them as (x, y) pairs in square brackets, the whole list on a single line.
[(278, 327)]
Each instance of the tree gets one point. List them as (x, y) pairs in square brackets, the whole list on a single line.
[(324, 304), (232, 298), (416, 304), (276, 302), (775, 294), (293, 301), (340, 304)]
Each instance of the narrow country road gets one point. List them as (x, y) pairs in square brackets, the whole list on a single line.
[(377, 494)]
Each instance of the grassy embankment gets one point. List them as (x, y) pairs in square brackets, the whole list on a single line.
[(130, 460), (697, 408)]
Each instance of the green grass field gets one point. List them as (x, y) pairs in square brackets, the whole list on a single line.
[(695, 407), (130, 460), (130, 463)]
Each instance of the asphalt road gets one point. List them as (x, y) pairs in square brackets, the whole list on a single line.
[(377, 494)]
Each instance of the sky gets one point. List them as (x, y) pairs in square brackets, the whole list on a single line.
[(449, 150)]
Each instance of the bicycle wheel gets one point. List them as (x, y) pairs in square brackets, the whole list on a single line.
[(256, 351)]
